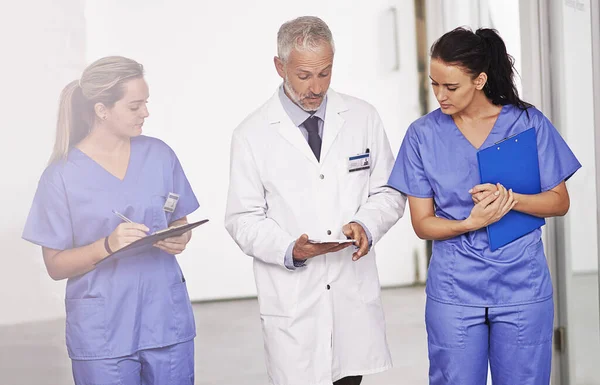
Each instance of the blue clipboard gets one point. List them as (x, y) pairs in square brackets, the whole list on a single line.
[(512, 162)]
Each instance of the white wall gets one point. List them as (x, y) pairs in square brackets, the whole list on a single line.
[(573, 112), (574, 115), (208, 67), (43, 49), (198, 58)]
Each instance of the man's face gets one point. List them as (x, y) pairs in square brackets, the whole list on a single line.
[(306, 76)]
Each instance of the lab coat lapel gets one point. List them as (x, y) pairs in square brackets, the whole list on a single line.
[(280, 120), (333, 121)]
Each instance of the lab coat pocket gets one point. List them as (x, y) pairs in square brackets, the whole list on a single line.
[(86, 327), (277, 290), (357, 180), (182, 316), (368, 277)]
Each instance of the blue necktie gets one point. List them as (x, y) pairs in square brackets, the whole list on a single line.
[(314, 140)]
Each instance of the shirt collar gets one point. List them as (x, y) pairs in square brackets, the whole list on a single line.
[(297, 114)]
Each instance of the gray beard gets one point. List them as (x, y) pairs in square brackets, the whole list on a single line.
[(292, 94)]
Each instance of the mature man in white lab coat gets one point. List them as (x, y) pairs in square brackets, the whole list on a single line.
[(312, 164)]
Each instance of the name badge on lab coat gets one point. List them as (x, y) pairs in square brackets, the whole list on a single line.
[(171, 202), (359, 162)]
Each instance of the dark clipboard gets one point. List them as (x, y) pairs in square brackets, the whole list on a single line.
[(512, 162), (146, 242)]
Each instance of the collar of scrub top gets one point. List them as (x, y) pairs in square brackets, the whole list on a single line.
[(297, 114)]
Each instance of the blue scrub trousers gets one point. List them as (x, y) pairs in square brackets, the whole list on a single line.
[(517, 341), (171, 365)]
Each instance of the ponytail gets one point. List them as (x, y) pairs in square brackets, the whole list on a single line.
[(72, 124), (500, 87)]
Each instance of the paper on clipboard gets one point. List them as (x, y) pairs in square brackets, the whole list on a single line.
[(147, 242)]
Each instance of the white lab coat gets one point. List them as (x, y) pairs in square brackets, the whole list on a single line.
[(324, 321)]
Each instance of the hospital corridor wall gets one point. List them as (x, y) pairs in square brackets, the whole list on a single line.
[(43, 46), (208, 66)]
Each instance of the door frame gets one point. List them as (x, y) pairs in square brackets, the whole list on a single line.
[(537, 76), (595, 23)]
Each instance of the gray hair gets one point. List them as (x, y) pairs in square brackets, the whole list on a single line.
[(305, 33)]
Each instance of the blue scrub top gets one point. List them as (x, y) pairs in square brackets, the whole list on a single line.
[(437, 161), (127, 304)]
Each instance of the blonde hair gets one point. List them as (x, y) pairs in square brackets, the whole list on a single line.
[(101, 82)]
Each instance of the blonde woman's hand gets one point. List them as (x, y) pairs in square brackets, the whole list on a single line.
[(125, 234)]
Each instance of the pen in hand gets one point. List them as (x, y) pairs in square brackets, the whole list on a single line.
[(124, 234), (123, 217)]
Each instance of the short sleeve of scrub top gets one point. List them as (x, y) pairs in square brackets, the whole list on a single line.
[(49, 223), (408, 176), (187, 200), (557, 161)]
